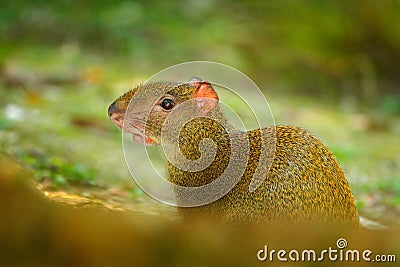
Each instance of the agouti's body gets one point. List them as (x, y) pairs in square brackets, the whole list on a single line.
[(304, 183)]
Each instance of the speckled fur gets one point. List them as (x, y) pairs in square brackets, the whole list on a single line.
[(304, 184)]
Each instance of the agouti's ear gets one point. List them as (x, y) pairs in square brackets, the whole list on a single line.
[(205, 96)]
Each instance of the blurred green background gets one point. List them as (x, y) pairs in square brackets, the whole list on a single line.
[(329, 66)]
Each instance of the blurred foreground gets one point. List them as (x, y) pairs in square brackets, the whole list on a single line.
[(49, 233)]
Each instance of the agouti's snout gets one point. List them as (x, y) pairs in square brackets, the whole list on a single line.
[(116, 111), (116, 115)]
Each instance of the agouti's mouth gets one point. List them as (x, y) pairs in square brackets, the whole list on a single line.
[(136, 129), (138, 136)]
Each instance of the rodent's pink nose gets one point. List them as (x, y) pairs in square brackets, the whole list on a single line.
[(116, 115)]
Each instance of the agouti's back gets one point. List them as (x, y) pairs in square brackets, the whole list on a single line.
[(304, 182)]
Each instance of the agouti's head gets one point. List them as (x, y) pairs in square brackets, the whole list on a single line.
[(153, 102)]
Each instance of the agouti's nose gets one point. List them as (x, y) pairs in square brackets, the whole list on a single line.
[(116, 115)]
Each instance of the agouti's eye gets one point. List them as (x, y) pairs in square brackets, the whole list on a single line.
[(167, 104)]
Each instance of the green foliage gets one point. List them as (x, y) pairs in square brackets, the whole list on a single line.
[(390, 186), (390, 105), (383, 195), (59, 171), (4, 124), (326, 48)]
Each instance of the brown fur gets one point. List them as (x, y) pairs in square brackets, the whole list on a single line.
[(304, 184)]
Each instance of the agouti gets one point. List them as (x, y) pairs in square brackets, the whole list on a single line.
[(304, 183)]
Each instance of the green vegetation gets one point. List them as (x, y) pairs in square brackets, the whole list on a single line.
[(58, 171)]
